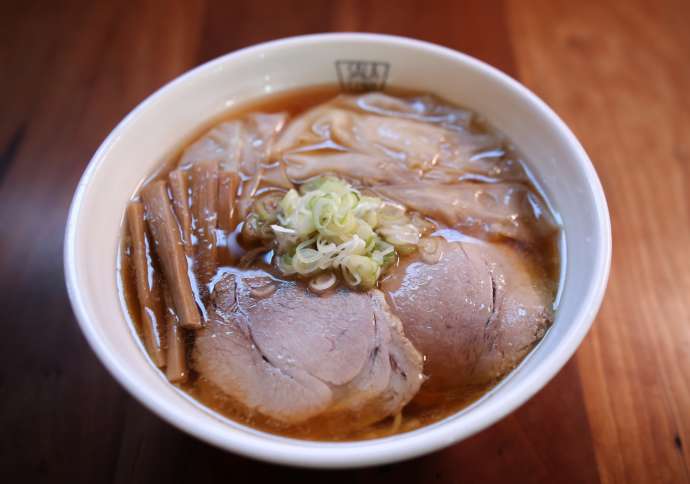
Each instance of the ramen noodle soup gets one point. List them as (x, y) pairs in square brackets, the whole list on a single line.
[(335, 267)]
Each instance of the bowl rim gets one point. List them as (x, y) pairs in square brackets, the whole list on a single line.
[(377, 451)]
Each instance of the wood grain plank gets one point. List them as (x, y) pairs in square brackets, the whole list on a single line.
[(9, 152), (476, 27), (69, 74), (614, 73), (229, 26)]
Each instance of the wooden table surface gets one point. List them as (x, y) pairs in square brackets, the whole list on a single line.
[(617, 72)]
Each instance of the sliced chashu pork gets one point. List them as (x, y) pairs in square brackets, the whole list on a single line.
[(294, 356), (474, 310)]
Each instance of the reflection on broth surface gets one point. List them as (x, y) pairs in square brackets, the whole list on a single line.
[(340, 267)]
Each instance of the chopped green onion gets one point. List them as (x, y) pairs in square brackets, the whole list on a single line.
[(330, 226)]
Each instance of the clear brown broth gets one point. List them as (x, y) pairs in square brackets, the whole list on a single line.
[(426, 407)]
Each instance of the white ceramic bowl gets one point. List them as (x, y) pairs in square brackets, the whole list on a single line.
[(158, 126)]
